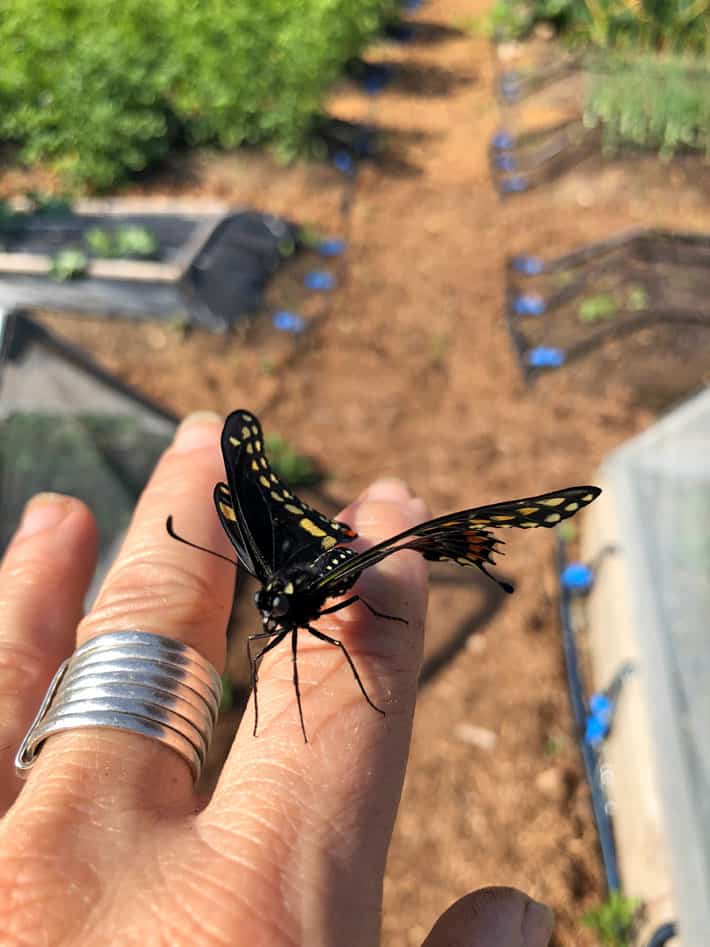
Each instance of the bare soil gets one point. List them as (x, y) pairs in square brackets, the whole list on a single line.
[(410, 372)]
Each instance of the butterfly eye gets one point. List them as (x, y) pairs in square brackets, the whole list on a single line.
[(279, 605)]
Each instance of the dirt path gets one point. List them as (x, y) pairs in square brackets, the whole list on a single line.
[(412, 374)]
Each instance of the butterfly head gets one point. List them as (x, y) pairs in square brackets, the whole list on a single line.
[(274, 600)]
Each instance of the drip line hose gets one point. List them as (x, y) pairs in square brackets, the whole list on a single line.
[(589, 754), (667, 931)]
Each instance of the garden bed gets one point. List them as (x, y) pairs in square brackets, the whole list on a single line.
[(564, 309), (207, 269)]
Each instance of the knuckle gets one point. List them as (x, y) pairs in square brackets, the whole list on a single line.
[(146, 586)]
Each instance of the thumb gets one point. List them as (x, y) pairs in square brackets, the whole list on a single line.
[(493, 917)]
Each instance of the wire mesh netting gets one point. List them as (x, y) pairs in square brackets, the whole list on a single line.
[(561, 310), (208, 269), (67, 426)]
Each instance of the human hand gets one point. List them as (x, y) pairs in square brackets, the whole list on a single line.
[(108, 842)]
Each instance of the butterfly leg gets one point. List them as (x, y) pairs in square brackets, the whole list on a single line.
[(277, 637), (294, 646), (357, 598), (339, 644)]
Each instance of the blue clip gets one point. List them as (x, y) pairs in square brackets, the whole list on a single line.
[(319, 280), (529, 304), (332, 247), (544, 357), (511, 93), (344, 162), (502, 141), (286, 321), (529, 265), (505, 163), (599, 719), (514, 185), (577, 577)]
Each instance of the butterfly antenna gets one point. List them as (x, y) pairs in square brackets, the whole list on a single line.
[(181, 539)]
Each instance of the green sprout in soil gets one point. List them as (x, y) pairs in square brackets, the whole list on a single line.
[(296, 469), (614, 920), (596, 308), (69, 264), (440, 345), (636, 298), (125, 241), (567, 532), (227, 701)]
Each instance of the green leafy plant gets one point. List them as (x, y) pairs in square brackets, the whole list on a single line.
[(653, 102), (103, 90), (69, 264), (597, 308), (678, 26), (296, 469), (124, 241), (614, 920)]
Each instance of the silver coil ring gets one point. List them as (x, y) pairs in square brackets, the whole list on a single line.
[(131, 680)]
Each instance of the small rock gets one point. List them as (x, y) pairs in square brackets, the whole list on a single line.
[(481, 737), (551, 783)]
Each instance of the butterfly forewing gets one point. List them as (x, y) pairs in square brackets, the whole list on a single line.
[(465, 537), (273, 525)]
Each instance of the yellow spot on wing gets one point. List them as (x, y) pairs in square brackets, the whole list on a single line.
[(571, 507), (264, 481), (234, 442), (246, 432), (257, 445), (254, 429), (328, 542), (294, 509), (527, 510), (250, 448), (553, 518), (228, 513), (527, 524), (552, 501), (588, 497), (254, 465), (289, 589), (310, 527), (501, 516), (262, 461), (276, 496)]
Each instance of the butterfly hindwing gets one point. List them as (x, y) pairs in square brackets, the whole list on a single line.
[(272, 522), (465, 537)]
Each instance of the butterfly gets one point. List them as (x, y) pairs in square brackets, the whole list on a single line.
[(301, 558)]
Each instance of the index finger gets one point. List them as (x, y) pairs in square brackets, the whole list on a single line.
[(321, 813)]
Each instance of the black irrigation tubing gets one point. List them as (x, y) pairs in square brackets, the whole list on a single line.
[(663, 934), (635, 239), (590, 756)]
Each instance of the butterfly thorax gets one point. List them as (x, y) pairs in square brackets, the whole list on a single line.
[(294, 596)]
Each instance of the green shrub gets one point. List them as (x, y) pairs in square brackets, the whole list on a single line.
[(659, 103), (670, 25), (614, 920), (101, 90)]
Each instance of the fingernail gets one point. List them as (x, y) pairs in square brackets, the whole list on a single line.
[(388, 489), (538, 924), (44, 511), (195, 431)]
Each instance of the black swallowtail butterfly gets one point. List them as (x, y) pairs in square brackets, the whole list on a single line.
[(300, 556)]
